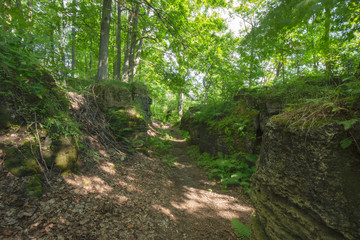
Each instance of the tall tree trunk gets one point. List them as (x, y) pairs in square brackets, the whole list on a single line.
[(278, 69), (137, 60), (102, 72), (73, 40), (90, 62), (206, 84), (181, 103), (327, 40), (63, 41), (134, 34), (117, 68), (129, 58), (124, 76)]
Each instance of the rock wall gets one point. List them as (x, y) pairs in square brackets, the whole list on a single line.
[(127, 107), (306, 185), (255, 111)]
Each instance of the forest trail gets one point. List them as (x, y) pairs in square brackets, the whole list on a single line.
[(138, 198)]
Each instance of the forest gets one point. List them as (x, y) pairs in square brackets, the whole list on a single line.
[(182, 119)]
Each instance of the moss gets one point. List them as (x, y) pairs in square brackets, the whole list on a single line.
[(20, 161), (5, 119), (34, 187), (66, 155)]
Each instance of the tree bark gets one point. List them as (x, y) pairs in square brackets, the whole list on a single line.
[(327, 41), (137, 60), (181, 103), (73, 32), (117, 68), (103, 62)]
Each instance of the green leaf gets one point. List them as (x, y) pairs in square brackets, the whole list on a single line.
[(346, 143), (348, 123)]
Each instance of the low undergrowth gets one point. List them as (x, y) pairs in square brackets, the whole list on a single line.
[(162, 148), (235, 169)]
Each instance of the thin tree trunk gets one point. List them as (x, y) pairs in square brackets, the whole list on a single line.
[(90, 62), (102, 72), (117, 68), (63, 42), (181, 103), (125, 76), (73, 40), (283, 65), (327, 40)]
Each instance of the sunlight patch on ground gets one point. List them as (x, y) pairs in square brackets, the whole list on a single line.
[(165, 211), (121, 199), (128, 186), (203, 203), (182, 166), (108, 167), (177, 140), (85, 185)]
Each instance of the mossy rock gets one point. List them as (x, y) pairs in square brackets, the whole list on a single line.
[(128, 123), (33, 188), (113, 95), (5, 118), (20, 161), (65, 154)]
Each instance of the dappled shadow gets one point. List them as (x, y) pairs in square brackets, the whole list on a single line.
[(139, 198)]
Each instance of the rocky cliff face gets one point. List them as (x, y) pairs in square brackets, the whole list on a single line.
[(306, 185)]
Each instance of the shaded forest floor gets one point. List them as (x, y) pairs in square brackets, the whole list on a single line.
[(140, 197)]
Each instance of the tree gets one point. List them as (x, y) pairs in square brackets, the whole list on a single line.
[(102, 72)]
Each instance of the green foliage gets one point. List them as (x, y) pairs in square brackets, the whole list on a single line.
[(346, 143), (230, 170), (349, 123), (118, 122), (185, 135), (242, 231), (160, 146), (34, 186), (31, 89)]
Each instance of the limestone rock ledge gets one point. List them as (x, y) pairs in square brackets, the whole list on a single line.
[(306, 186)]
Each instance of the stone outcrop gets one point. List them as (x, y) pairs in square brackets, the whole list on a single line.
[(306, 185), (127, 107), (255, 111)]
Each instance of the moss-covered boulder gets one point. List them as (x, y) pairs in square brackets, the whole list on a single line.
[(306, 185), (141, 98), (20, 161), (113, 95), (129, 124), (65, 154)]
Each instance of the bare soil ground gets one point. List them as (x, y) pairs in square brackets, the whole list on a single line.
[(139, 197)]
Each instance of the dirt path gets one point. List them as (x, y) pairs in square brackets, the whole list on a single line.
[(138, 198)]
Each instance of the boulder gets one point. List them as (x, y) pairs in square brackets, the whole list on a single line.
[(20, 161), (113, 95), (65, 154), (306, 185)]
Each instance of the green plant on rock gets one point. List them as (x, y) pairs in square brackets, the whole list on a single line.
[(242, 231)]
